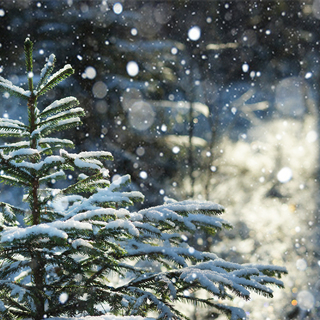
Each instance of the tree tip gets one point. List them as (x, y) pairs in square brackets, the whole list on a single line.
[(28, 43)]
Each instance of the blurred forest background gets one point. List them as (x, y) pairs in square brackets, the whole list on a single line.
[(215, 100)]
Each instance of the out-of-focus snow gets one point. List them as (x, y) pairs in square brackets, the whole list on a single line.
[(267, 182)]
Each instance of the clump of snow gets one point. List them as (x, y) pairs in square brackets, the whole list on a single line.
[(81, 242), (6, 84), (49, 64), (106, 317), (21, 233), (58, 103)]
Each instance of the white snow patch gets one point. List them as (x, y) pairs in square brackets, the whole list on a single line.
[(81, 242), (106, 317), (59, 103)]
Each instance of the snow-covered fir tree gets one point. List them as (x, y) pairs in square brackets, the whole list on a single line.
[(79, 252)]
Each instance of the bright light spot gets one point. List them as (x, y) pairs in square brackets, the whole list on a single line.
[(194, 33), (301, 264), (134, 31), (186, 293), (41, 51), (305, 300), (30, 74), (143, 175), (245, 67), (234, 110), (184, 238), (163, 128), (268, 32), (6, 115), (141, 115), (199, 241), (2, 13), (117, 8), (99, 90), (175, 149), (191, 250), (63, 298), (284, 175), (89, 73), (161, 191), (140, 151), (79, 57), (308, 75), (312, 136), (132, 68), (174, 50)]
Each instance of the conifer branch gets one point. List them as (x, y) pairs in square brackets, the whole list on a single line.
[(56, 79), (59, 105), (46, 71), (7, 86)]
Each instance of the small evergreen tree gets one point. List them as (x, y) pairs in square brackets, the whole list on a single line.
[(79, 251)]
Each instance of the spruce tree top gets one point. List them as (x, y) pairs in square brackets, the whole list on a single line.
[(80, 252)]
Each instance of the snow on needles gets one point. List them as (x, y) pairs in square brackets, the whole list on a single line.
[(6, 84), (49, 64), (52, 229), (106, 317), (58, 103)]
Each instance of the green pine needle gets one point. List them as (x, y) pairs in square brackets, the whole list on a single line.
[(28, 48), (55, 79)]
